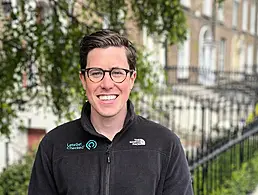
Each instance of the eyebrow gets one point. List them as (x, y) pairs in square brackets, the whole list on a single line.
[(109, 68)]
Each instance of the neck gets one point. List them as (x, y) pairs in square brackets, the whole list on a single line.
[(108, 126)]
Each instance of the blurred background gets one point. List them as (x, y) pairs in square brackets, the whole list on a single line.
[(197, 75)]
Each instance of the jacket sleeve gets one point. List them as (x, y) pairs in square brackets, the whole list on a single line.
[(42, 181), (178, 178)]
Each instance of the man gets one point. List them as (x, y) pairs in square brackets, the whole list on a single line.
[(109, 150)]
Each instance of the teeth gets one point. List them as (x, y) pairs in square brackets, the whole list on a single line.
[(107, 97)]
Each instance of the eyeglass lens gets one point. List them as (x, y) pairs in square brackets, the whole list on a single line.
[(117, 74)]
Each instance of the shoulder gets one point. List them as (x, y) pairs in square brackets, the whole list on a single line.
[(65, 129), (62, 132), (154, 128), (160, 136)]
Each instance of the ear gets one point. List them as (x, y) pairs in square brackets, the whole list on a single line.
[(132, 79), (82, 78)]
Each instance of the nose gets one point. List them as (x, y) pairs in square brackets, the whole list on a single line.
[(107, 82)]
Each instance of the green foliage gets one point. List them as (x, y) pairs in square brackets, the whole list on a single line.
[(243, 181), (45, 49), (220, 1), (225, 173), (15, 178), (147, 76), (164, 17), (252, 116)]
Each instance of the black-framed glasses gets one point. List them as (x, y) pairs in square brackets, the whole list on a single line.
[(117, 75)]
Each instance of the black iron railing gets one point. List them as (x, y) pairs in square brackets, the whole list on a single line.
[(207, 76), (213, 124)]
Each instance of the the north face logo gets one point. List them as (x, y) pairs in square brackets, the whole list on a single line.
[(138, 142)]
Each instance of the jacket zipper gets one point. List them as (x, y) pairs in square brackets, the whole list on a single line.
[(108, 170)]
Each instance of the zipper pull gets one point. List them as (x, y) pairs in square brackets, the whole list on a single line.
[(107, 152), (108, 159)]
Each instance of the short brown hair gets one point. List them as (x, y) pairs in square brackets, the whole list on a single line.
[(103, 39)]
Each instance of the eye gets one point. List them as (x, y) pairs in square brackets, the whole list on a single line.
[(118, 72), (95, 73)]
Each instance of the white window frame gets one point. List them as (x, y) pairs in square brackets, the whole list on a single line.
[(242, 57), (106, 22), (245, 15), (257, 25), (221, 12), (257, 60), (183, 58), (207, 7), (235, 13), (222, 54), (14, 2), (186, 3), (153, 45), (252, 17), (207, 58), (250, 52)]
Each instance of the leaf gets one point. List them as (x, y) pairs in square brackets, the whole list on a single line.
[(42, 51)]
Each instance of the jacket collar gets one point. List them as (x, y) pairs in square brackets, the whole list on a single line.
[(87, 125)]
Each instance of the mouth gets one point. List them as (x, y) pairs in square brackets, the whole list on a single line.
[(107, 97)]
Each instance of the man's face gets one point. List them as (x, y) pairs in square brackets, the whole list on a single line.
[(106, 97)]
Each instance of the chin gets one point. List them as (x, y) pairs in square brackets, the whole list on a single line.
[(108, 114), (109, 110)]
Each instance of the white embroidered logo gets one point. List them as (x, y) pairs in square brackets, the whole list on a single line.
[(138, 142)]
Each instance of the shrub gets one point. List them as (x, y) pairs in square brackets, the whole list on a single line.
[(15, 178), (243, 181)]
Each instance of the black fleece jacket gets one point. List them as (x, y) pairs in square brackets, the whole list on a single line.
[(144, 158)]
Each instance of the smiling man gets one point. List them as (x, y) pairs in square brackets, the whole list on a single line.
[(108, 81), (110, 150)]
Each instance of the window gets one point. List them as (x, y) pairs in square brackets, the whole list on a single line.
[(249, 67), (42, 11), (106, 22), (222, 55), (252, 18), (235, 13), (155, 47), (7, 6), (256, 60), (221, 12), (186, 3), (245, 15), (206, 8), (34, 137), (29, 76), (183, 57), (207, 58), (257, 25), (242, 57)]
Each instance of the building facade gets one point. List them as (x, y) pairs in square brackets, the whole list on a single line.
[(221, 38)]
